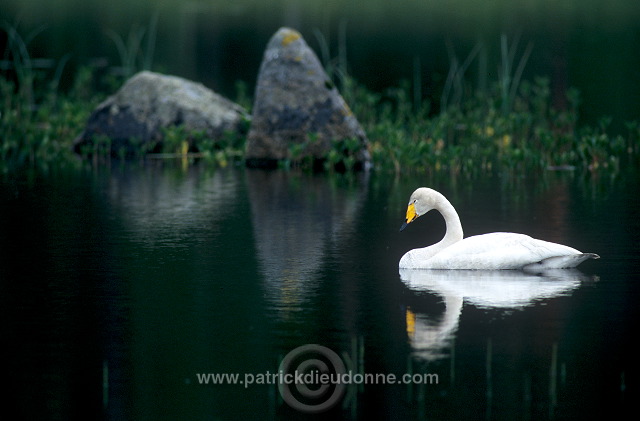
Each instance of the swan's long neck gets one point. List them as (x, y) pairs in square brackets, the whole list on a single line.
[(454, 227), (419, 258)]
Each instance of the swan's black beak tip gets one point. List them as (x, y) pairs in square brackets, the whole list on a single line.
[(404, 225)]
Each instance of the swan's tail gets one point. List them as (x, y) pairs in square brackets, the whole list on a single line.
[(561, 262)]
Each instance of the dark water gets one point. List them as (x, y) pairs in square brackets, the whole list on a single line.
[(120, 287)]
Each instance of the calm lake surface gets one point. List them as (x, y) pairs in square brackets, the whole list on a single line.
[(122, 288)]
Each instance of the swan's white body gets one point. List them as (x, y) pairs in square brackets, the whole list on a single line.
[(498, 250)]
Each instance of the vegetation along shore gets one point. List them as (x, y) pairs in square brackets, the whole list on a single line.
[(511, 124)]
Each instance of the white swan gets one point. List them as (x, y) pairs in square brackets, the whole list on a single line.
[(498, 250)]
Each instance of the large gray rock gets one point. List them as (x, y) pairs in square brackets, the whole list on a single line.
[(297, 107), (134, 117)]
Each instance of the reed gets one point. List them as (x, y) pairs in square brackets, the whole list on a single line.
[(37, 123), (133, 57), (509, 78), (16, 59), (453, 90)]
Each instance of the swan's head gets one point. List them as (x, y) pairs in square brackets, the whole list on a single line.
[(421, 201)]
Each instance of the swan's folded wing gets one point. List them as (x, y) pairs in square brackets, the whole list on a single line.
[(500, 250)]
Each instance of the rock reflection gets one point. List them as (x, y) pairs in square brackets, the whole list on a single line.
[(163, 207), (295, 217), (430, 339)]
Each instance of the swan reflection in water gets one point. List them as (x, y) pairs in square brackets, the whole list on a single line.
[(505, 289)]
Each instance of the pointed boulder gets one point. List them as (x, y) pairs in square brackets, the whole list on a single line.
[(298, 112)]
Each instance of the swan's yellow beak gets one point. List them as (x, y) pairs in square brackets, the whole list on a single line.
[(411, 215)]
